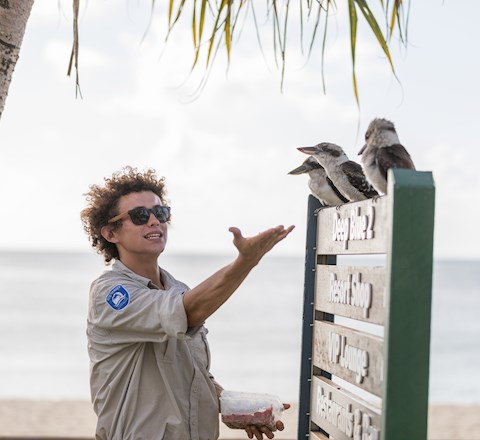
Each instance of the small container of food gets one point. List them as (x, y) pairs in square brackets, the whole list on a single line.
[(240, 409)]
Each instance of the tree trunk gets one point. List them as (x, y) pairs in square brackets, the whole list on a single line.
[(13, 20)]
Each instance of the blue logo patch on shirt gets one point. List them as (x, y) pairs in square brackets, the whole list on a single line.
[(118, 298)]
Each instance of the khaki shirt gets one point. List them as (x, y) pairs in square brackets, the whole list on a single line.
[(149, 373)]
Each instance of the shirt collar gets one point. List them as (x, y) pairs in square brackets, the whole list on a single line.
[(118, 266)]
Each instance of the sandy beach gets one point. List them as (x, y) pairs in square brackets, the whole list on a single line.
[(75, 419)]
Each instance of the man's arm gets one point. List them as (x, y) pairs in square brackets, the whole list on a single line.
[(203, 300)]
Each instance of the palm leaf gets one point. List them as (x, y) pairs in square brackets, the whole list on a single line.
[(202, 19), (75, 46), (352, 12), (397, 17), (194, 24), (324, 44), (170, 11), (367, 13), (284, 43), (215, 29), (228, 30), (276, 31), (315, 29), (171, 23), (201, 24), (393, 19), (301, 25)]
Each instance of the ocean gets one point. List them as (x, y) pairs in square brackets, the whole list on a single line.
[(254, 338)]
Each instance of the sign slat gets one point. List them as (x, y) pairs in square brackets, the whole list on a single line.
[(352, 355), (317, 436), (342, 414), (353, 228), (352, 292)]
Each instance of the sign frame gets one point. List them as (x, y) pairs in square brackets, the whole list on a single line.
[(403, 230)]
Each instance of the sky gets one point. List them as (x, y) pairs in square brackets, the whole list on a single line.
[(226, 152)]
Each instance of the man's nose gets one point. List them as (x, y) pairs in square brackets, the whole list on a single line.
[(152, 220)]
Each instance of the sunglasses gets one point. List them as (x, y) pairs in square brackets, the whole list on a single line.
[(141, 215)]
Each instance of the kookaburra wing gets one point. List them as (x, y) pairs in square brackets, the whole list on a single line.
[(356, 178)]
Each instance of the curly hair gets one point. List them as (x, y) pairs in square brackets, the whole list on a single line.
[(103, 200)]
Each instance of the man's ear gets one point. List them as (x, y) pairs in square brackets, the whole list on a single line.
[(108, 234)]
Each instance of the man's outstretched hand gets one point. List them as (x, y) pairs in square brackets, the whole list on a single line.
[(254, 248)]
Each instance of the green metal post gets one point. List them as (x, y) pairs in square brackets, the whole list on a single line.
[(407, 330)]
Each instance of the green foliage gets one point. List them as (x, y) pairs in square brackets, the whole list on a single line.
[(214, 24)]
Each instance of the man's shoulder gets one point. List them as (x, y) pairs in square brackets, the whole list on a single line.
[(170, 280), (109, 279)]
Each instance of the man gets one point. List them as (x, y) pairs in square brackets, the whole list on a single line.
[(149, 354)]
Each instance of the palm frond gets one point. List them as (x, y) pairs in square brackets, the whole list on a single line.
[(284, 43), (75, 47), (352, 12), (213, 24), (324, 45), (370, 18)]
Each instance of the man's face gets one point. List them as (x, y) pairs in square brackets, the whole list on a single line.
[(139, 241)]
